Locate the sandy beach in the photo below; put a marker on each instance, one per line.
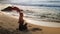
(9, 25)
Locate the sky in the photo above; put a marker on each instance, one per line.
(32, 0)
(24, 1)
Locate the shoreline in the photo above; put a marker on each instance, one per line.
(39, 23)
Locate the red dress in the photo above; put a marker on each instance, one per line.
(17, 9)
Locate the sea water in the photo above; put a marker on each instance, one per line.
(40, 10)
(44, 13)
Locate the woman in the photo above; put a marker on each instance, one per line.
(22, 26)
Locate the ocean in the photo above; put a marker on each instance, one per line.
(40, 10)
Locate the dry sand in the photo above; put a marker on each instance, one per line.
(9, 25)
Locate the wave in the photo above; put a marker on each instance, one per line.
(43, 5)
(49, 5)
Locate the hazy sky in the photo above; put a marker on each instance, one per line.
(23, 1)
(31, 0)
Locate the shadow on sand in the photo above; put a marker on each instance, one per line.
(7, 31)
(36, 29)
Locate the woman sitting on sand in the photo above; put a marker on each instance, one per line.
(22, 26)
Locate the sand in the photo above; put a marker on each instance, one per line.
(9, 25)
